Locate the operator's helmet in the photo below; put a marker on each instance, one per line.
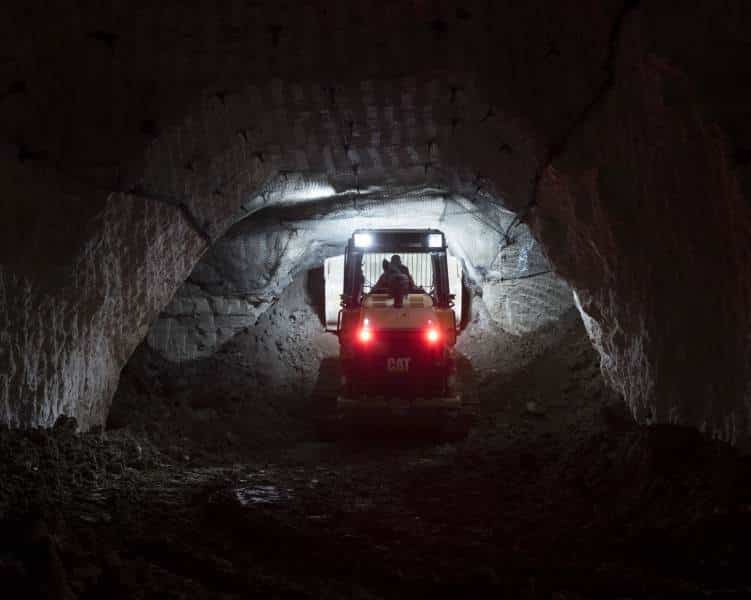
(396, 260)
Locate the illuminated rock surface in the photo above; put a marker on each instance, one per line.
(247, 270)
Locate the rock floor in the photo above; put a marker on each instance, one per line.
(211, 493)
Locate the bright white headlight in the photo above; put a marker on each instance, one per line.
(435, 240)
(363, 240)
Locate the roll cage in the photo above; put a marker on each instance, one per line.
(430, 242)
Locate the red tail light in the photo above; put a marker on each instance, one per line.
(432, 335)
(365, 335)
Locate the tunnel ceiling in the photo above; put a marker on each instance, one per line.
(133, 138)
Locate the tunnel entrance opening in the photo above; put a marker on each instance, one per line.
(234, 359)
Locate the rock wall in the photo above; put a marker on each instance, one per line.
(62, 346)
(645, 215)
(253, 391)
(519, 288)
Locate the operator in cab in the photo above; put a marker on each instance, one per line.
(395, 280)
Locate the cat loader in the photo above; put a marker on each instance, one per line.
(397, 320)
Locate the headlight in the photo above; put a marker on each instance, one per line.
(363, 240)
(435, 240)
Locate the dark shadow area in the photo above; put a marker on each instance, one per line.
(555, 493)
(315, 286)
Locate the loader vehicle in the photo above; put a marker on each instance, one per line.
(397, 361)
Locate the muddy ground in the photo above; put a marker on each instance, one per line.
(216, 491)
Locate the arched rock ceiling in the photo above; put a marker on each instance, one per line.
(166, 101)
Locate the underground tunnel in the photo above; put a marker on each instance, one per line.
(180, 198)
